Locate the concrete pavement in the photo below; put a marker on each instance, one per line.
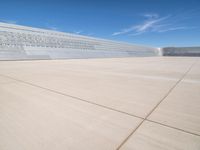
(115, 103)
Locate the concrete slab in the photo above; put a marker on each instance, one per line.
(32, 118)
(151, 136)
(131, 85)
(194, 75)
(37, 110)
(181, 109)
(4, 80)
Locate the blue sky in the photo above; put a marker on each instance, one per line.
(151, 22)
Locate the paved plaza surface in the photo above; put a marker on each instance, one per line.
(149, 103)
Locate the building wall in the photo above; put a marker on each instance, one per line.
(181, 51)
(20, 42)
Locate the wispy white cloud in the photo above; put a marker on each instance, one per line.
(175, 28)
(78, 32)
(53, 28)
(9, 21)
(81, 32)
(90, 34)
(124, 31)
(152, 23)
(150, 15)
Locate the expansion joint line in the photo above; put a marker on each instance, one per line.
(112, 109)
(74, 97)
(165, 96)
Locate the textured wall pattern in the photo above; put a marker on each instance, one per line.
(20, 42)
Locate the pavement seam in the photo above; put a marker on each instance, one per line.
(145, 119)
(156, 122)
(112, 109)
(30, 84)
(74, 97)
(109, 108)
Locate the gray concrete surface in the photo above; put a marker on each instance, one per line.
(119, 103)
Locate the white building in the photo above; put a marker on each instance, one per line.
(21, 42)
